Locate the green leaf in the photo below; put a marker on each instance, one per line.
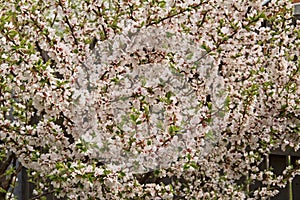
(2, 190)
(210, 135)
(194, 165)
(186, 166)
(10, 171)
(169, 34)
(134, 117)
(121, 174)
(189, 156)
(173, 130)
(168, 95)
(162, 4)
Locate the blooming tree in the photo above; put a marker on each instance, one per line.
(143, 99)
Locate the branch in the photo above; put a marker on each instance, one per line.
(6, 163)
(174, 14)
(43, 53)
(15, 180)
(71, 29)
(43, 194)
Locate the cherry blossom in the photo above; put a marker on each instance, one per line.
(148, 99)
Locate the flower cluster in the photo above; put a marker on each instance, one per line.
(138, 99)
(144, 100)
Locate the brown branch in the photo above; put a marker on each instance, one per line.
(71, 29)
(7, 179)
(182, 11)
(15, 180)
(43, 194)
(43, 53)
(6, 163)
(68, 23)
(52, 24)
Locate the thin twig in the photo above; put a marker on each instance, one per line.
(43, 194)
